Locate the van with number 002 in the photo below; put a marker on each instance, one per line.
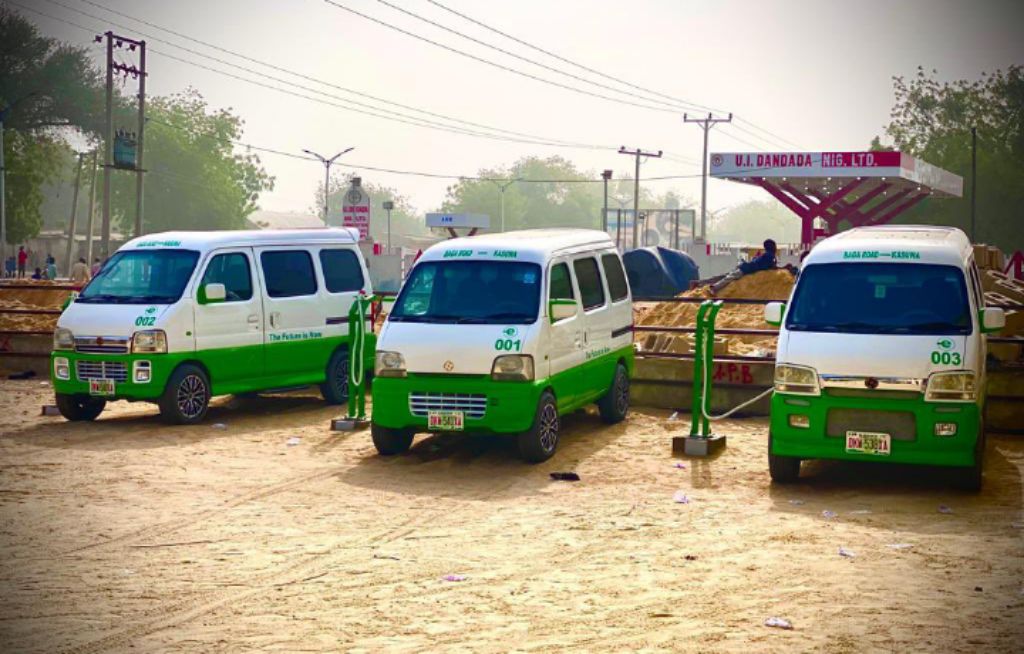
(881, 354)
(179, 317)
(505, 334)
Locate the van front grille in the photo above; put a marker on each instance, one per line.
(901, 425)
(116, 370)
(101, 344)
(473, 404)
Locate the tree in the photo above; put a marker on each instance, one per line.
(31, 162)
(933, 121)
(195, 179)
(754, 221)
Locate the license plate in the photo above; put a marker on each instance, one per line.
(445, 420)
(866, 442)
(101, 387)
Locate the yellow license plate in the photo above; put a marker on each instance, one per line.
(101, 387)
(866, 442)
(445, 420)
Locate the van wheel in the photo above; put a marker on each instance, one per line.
(80, 407)
(783, 469)
(391, 441)
(615, 404)
(335, 388)
(970, 479)
(539, 443)
(186, 398)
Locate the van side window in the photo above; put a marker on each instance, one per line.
(342, 273)
(561, 284)
(588, 276)
(232, 270)
(288, 273)
(976, 288)
(617, 286)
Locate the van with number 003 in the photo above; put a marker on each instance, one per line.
(881, 354)
(505, 334)
(179, 317)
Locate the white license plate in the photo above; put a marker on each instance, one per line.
(445, 420)
(101, 387)
(867, 442)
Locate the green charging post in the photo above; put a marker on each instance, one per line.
(355, 415)
(702, 441)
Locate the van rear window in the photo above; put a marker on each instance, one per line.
(588, 276)
(617, 286)
(288, 273)
(880, 298)
(342, 273)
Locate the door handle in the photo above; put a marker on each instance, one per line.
(254, 321)
(273, 319)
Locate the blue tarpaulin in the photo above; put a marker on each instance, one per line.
(657, 272)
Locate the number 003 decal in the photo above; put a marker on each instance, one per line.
(508, 345)
(946, 358)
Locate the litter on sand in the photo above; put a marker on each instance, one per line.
(455, 577)
(944, 509)
(860, 512)
(219, 425)
(1017, 525)
(674, 416)
(293, 441)
(899, 546)
(565, 476)
(847, 553)
(681, 498)
(828, 515)
(796, 502)
(680, 465)
(778, 623)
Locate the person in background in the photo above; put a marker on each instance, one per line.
(51, 267)
(80, 272)
(22, 260)
(38, 274)
(764, 261)
(96, 265)
(10, 266)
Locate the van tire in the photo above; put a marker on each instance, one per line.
(540, 441)
(390, 441)
(614, 406)
(970, 479)
(77, 408)
(335, 387)
(186, 397)
(783, 469)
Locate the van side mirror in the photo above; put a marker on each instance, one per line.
(562, 309)
(992, 319)
(212, 293)
(773, 312)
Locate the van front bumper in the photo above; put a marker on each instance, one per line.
(510, 406)
(122, 368)
(916, 443)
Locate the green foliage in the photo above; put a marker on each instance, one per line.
(754, 221)
(933, 121)
(196, 181)
(31, 161)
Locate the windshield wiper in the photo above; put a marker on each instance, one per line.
(509, 315)
(101, 297)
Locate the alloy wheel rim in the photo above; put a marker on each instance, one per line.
(191, 396)
(341, 377)
(548, 427)
(622, 393)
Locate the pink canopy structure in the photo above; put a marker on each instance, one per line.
(863, 188)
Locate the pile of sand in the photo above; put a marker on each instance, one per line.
(764, 285)
(40, 296)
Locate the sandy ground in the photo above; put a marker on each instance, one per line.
(128, 535)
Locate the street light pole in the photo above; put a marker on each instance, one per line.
(388, 206)
(605, 175)
(327, 173)
(501, 224)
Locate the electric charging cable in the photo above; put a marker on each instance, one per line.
(705, 374)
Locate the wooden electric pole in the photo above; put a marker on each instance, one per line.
(706, 124)
(69, 256)
(636, 188)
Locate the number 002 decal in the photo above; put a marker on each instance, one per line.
(946, 358)
(508, 345)
(145, 321)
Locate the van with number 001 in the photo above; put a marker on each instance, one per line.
(881, 354)
(505, 334)
(179, 317)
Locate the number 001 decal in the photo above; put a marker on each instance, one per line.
(946, 358)
(508, 345)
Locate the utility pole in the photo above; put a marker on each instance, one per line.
(140, 142)
(388, 206)
(605, 175)
(3, 191)
(327, 173)
(501, 224)
(74, 216)
(706, 124)
(92, 208)
(974, 181)
(109, 156)
(636, 188)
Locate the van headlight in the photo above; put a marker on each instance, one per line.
(951, 387)
(150, 341)
(61, 368)
(63, 339)
(798, 380)
(513, 367)
(389, 364)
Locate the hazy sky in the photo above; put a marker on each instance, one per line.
(817, 73)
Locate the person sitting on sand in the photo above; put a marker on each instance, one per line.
(764, 261)
(38, 274)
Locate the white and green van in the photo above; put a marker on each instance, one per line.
(881, 354)
(503, 334)
(178, 317)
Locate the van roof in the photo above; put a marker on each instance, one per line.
(205, 241)
(536, 245)
(896, 244)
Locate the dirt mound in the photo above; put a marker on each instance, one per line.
(40, 296)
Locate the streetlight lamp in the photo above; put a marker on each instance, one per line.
(501, 224)
(388, 206)
(327, 173)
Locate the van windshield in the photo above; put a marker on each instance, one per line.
(880, 298)
(141, 277)
(470, 292)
